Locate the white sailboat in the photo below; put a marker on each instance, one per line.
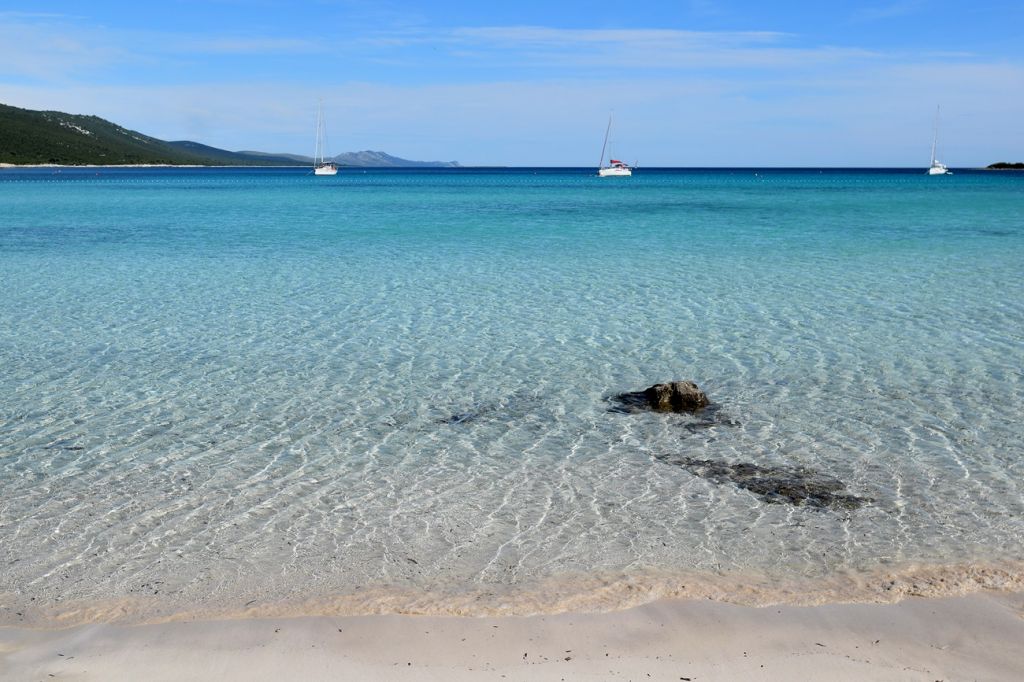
(321, 166)
(937, 167)
(615, 168)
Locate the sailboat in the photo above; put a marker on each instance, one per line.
(937, 167)
(322, 166)
(615, 168)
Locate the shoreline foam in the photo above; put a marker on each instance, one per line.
(565, 594)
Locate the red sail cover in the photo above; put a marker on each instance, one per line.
(617, 161)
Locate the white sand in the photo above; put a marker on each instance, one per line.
(980, 637)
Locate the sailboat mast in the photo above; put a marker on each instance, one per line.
(607, 130)
(319, 125)
(935, 135)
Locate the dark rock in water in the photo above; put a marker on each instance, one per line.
(777, 485)
(460, 418)
(677, 396)
(510, 407)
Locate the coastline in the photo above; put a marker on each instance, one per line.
(595, 593)
(13, 166)
(973, 637)
(131, 165)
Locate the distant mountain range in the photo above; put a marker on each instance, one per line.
(54, 137)
(365, 159)
(382, 160)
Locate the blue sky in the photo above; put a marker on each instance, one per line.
(691, 83)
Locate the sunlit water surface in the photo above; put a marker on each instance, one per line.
(228, 390)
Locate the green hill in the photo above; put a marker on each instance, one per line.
(239, 158)
(30, 137)
(37, 137)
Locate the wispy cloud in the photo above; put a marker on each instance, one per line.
(16, 16)
(895, 9)
(65, 48)
(685, 97)
(244, 45)
(705, 7)
(646, 49)
(60, 47)
(52, 48)
(536, 36)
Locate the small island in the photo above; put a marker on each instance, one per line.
(1002, 165)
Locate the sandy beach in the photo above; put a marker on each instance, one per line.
(976, 637)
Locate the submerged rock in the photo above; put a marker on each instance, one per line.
(510, 407)
(712, 415)
(777, 485)
(460, 418)
(676, 396)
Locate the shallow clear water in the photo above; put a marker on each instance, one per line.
(222, 387)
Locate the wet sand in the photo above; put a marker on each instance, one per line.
(973, 637)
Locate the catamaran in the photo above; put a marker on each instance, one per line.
(937, 167)
(615, 168)
(321, 166)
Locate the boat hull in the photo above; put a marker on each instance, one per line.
(325, 170)
(615, 172)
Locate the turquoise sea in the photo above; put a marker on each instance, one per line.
(254, 391)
